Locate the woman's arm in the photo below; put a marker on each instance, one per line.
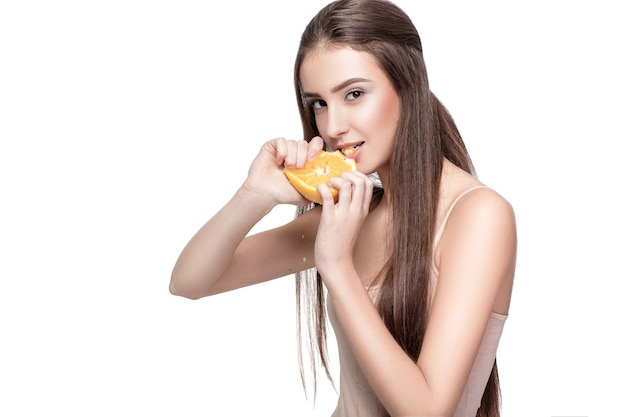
(477, 262)
(220, 257)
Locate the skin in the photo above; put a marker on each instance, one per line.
(354, 101)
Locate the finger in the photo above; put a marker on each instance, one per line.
(345, 189)
(369, 192)
(357, 187)
(362, 189)
(327, 196)
(315, 146)
(292, 153)
(280, 148)
(301, 156)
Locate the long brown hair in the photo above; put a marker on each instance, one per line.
(426, 134)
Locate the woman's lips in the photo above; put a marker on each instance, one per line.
(349, 151)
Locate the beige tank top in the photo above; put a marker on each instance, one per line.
(356, 397)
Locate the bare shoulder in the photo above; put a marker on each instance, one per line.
(484, 202)
(463, 198)
(479, 212)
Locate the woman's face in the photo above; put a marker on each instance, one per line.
(355, 105)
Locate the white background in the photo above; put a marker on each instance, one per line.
(125, 125)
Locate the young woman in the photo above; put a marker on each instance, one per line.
(416, 272)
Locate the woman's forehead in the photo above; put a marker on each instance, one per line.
(326, 66)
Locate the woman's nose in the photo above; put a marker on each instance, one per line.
(336, 122)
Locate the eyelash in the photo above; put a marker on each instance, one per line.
(358, 93)
(315, 103)
(320, 103)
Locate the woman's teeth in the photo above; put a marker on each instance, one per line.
(351, 149)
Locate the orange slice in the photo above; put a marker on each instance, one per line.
(319, 171)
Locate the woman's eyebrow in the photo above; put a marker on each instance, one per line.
(338, 87)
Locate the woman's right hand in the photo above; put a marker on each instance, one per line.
(266, 177)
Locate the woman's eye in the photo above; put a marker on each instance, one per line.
(354, 95)
(317, 104)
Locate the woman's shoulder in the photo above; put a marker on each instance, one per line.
(482, 203)
(467, 205)
(478, 203)
(460, 188)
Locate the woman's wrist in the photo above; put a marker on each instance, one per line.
(254, 200)
(339, 275)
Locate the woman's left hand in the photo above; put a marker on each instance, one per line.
(341, 222)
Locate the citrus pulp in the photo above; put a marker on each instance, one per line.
(319, 170)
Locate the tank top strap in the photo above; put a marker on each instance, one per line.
(444, 221)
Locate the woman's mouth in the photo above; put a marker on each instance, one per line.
(349, 150)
